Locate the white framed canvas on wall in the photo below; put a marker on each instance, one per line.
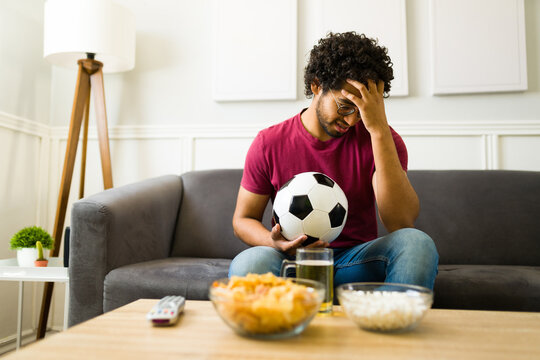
(477, 46)
(255, 45)
(382, 20)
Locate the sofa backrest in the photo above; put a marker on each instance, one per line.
(204, 227)
(474, 216)
(489, 217)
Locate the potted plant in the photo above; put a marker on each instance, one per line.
(25, 243)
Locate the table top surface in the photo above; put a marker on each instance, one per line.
(55, 271)
(200, 334)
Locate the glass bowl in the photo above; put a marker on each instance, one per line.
(385, 307)
(266, 306)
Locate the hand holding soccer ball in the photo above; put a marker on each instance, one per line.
(312, 204)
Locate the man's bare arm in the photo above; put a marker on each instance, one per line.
(248, 227)
(248, 216)
(396, 199)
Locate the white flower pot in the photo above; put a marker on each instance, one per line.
(26, 256)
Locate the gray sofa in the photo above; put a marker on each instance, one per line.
(173, 235)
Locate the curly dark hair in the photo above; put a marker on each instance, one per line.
(342, 56)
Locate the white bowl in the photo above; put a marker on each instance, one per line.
(385, 307)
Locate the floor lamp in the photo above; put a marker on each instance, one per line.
(94, 36)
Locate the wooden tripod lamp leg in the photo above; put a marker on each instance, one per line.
(96, 80)
(82, 91)
(84, 146)
(90, 76)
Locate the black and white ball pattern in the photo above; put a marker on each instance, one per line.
(313, 204)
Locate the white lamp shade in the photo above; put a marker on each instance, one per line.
(73, 28)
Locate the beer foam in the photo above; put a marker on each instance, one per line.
(315, 262)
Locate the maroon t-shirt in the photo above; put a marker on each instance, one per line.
(286, 149)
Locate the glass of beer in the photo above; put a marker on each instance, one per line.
(315, 264)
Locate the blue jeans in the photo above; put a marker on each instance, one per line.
(406, 256)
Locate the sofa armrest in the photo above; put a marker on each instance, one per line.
(117, 227)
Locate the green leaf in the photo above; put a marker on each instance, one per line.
(27, 237)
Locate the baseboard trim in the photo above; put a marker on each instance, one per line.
(9, 343)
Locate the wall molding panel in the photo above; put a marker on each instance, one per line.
(485, 53)
(193, 140)
(22, 125)
(250, 35)
(385, 21)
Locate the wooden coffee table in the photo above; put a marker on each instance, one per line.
(200, 334)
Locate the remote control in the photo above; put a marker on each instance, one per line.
(166, 311)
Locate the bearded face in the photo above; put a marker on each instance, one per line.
(333, 124)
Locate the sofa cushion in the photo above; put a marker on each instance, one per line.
(189, 277)
(488, 287)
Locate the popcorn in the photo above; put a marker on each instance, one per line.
(385, 310)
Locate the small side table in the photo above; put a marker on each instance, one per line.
(54, 272)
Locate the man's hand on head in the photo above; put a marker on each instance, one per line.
(370, 103)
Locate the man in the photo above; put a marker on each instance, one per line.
(344, 134)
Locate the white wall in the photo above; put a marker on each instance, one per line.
(171, 83)
(170, 90)
(25, 85)
(25, 76)
(162, 117)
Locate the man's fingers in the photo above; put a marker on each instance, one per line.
(286, 245)
(349, 95)
(355, 99)
(380, 87)
(371, 88)
(364, 91)
(275, 233)
(372, 85)
(294, 243)
(299, 240)
(282, 243)
(355, 83)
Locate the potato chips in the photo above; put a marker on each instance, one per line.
(264, 304)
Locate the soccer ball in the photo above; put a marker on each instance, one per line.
(312, 204)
